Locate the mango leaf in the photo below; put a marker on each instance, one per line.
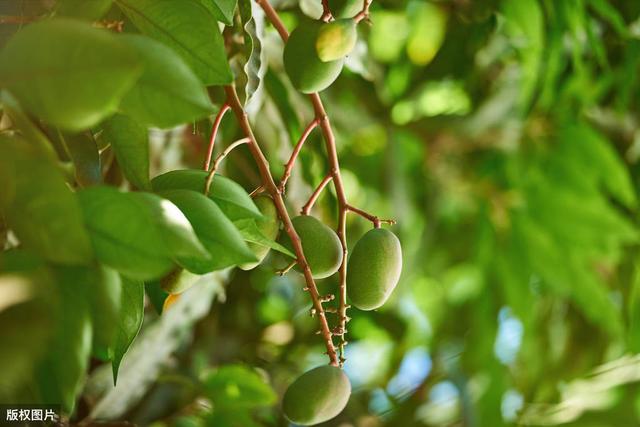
(188, 28)
(236, 386)
(62, 372)
(168, 93)
(138, 234)
(67, 72)
(38, 206)
(251, 233)
(84, 9)
(222, 10)
(255, 64)
(228, 195)
(83, 151)
(216, 232)
(156, 294)
(129, 321)
(130, 143)
(104, 291)
(280, 97)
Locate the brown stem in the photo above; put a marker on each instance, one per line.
(364, 13)
(216, 162)
(214, 132)
(312, 200)
(288, 167)
(326, 11)
(374, 219)
(270, 186)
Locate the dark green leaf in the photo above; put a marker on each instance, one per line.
(216, 232)
(104, 290)
(83, 151)
(156, 294)
(38, 205)
(228, 195)
(67, 72)
(138, 234)
(130, 143)
(222, 10)
(86, 9)
(251, 233)
(129, 321)
(168, 93)
(189, 29)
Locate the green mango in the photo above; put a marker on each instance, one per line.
(305, 69)
(345, 8)
(320, 244)
(336, 39)
(374, 269)
(228, 194)
(178, 281)
(269, 227)
(316, 396)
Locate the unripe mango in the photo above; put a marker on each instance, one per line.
(306, 71)
(320, 244)
(374, 269)
(269, 227)
(345, 8)
(336, 39)
(316, 396)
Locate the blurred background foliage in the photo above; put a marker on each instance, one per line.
(503, 137)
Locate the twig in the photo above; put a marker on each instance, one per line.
(288, 167)
(285, 270)
(364, 13)
(314, 196)
(214, 132)
(216, 162)
(326, 11)
(374, 219)
(270, 186)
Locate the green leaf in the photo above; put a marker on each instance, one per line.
(251, 233)
(168, 93)
(255, 66)
(67, 72)
(236, 386)
(188, 28)
(62, 373)
(130, 143)
(156, 294)
(216, 232)
(38, 206)
(129, 321)
(84, 9)
(104, 289)
(222, 10)
(228, 195)
(83, 151)
(138, 234)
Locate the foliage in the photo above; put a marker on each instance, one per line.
(502, 136)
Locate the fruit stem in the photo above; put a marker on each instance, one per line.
(216, 162)
(214, 132)
(364, 13)
(326, 11)
(314, 196)
(288, 167)
(270, 186)
(374, 219)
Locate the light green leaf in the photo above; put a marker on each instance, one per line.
(104, 291)
(168, 93)
(216, 232)
(38, 206)
(222, 10)
(129, 321)
(236, 386)
(228, 195)
(67, 72)
(189, 29)
(138, 234)
(130, 143)
(251, 233)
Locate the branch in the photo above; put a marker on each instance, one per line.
(216, 163)
(307, 207)
(326, 11)
(270, 186)
(288, 167)
(214, 132)
(364, 13)
(374, 219)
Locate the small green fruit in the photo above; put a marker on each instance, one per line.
(269, 227)
(345, 8)
(320, 244)
(178, 281)
(374, 269)
(336, 39)
(316, 396)
(306, 71)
